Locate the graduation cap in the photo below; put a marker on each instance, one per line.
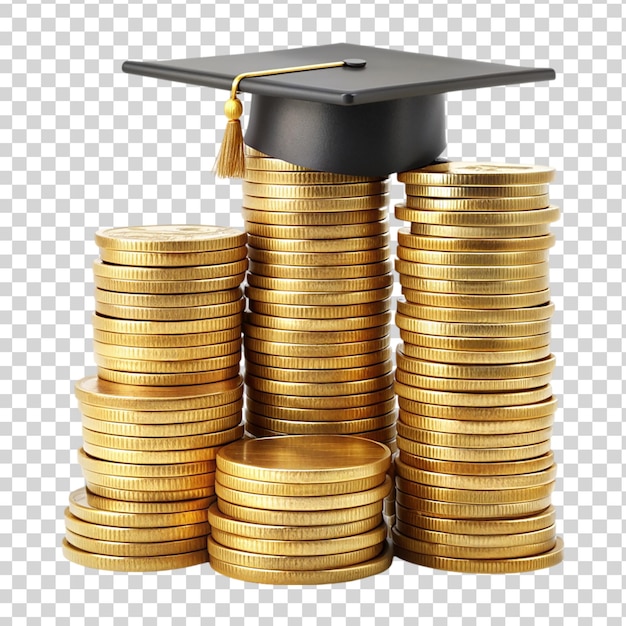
(339, 108)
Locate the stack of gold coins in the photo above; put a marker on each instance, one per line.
(475, 471)
(164, 400)
(317, 345)
(300, 510)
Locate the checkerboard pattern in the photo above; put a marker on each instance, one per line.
(83, 146)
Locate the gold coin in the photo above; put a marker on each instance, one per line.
(466, 552)
(329, 285)
(150, 457)
(346, 190)
(288, 414)
(473, 455)
(170, 238)
(472, 385)
(371, 567)
(83, 510)
(477, 344)
(475, 287)
(172, 341)
(321, 402)
(478, 483)
(467, 356)
(160, 417)
(170, 313)
(344, 231)
(294, 563)
(314, 337)
(383, 435)
(303, 245)
(468, 272)
(154, 444)
(466, 427)
(512, 329)
(482, 528)
(320, 376)
(167, 355)
(345, 427)
(321, 299)
(314, 272)
(482, 191)
(316, 350)
(174, 287)
(299, 518)
(162, 430)
(319, 259)
(313, 459)
(474, 496)
(462, 440)
(406, 239)
(97, 392)
(445, 370)
(483, 302)
(269, 164)
(209, 298)
(316, 205)
(469, 174)
(165, 380)
(300, 363)
(143, 471)
(126, 549)
(133, 563)
(478, 218)
(539, 408)
(518, 203)
(162, 367)
(129, 495)
(472, 259)
(172, 259)
(471, 511)
(304, 178)
(476, 541)
(320, 312)
(319, 389)
(485, 566)
(134, 535)
(147, 508)
(136, 483)
(226, 524)
(135, 327)
(480, 232)
(296, 548)
(481, 467)
(473, 399)
(323, 325)
(476, 316)
(199, 272)
(313, 219)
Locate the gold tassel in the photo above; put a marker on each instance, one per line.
(231, 161)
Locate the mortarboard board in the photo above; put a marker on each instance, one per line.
(381, 111)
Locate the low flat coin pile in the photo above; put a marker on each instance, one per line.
(300, 510)
(167, 396)
(317, 347)
(475, 471)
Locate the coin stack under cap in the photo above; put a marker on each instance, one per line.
(475, 471)
(317, 345)
(300, 510)
(165, 400)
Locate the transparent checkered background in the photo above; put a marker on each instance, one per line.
(83, 145)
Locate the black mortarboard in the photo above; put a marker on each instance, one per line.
(373, 118)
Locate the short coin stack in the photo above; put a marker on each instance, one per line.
(149, 447)
(475, 471)
(300, 510)
(317, 345)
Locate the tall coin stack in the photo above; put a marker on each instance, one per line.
(317, 345)
(475, 471)
(300, 510)
(168, 395)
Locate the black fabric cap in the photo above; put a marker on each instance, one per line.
(387, 116)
